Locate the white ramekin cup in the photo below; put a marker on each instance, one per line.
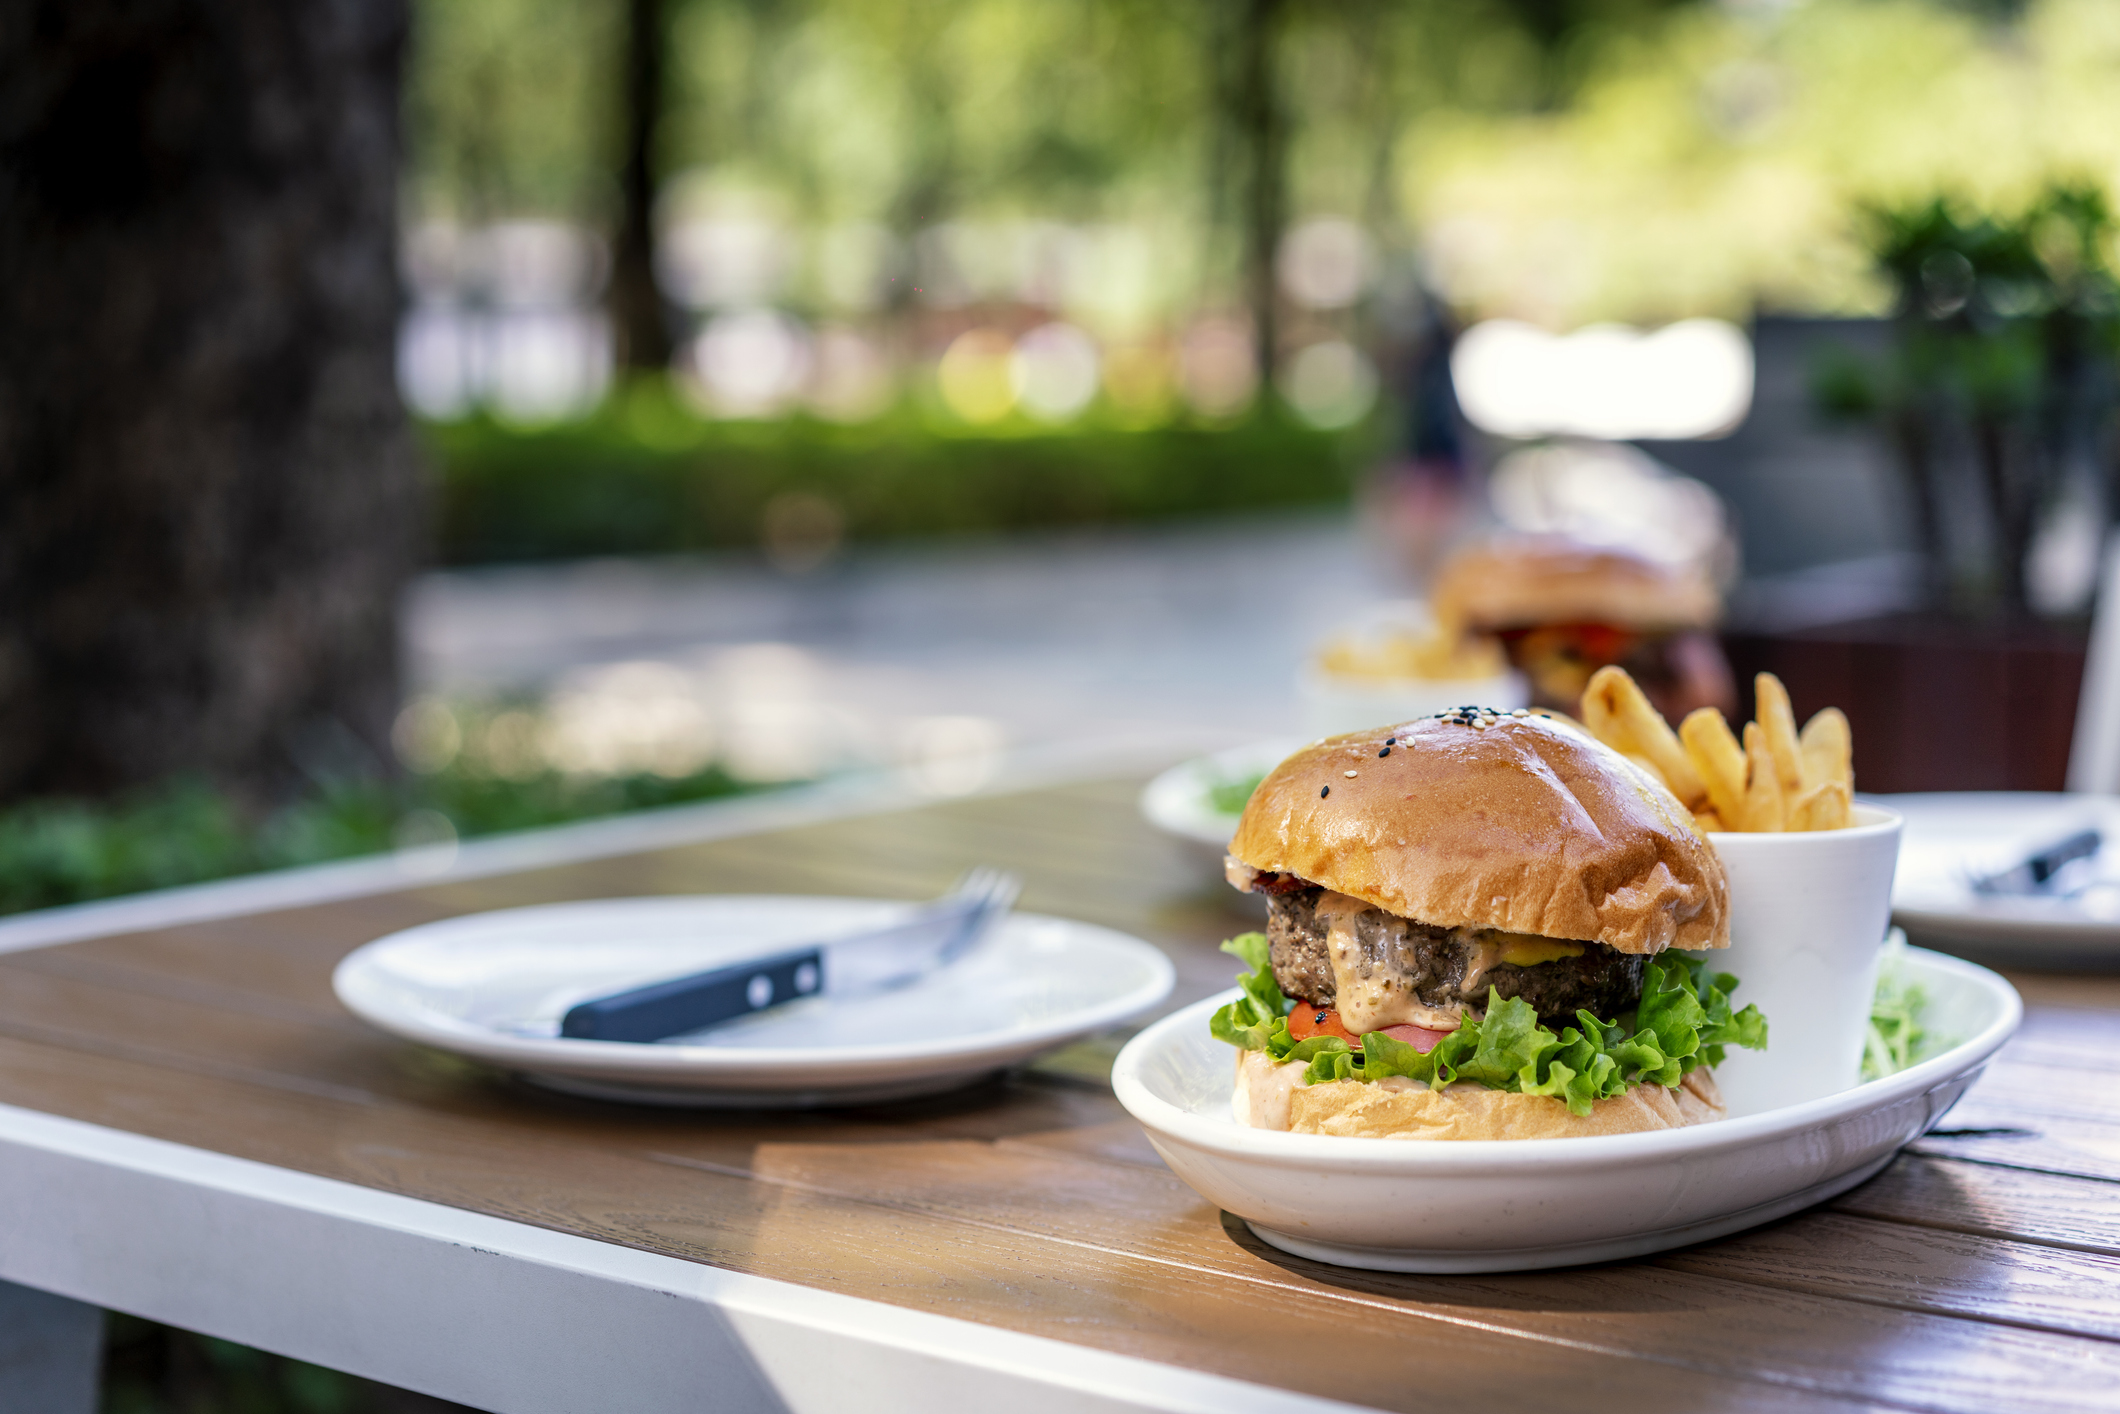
(1808, 916)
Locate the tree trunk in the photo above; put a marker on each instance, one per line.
(636, 303)
(1261, 126)
(1911, 432)
(211, 495)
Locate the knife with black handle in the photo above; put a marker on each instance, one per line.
(2035, 874)
(873, 961)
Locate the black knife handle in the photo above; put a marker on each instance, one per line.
(687, 1003)
(2047, 862)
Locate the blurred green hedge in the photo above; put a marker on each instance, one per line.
(56, 852)
(646, 475)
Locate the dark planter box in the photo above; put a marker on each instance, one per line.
(1934, 704)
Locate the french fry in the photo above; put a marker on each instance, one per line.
(1778, 721)
(1843, 814)
(1776, 780)
(1764, 808)
(1618, 714)
(1599, 718)
(1825, 744)
(1820, 807)
(1718, 760)
(1826, 762)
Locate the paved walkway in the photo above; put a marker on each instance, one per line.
(1137, 641)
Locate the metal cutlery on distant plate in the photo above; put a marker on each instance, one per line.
(2046, 871)
(877, 960)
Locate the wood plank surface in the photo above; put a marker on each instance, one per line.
(1978, 1273)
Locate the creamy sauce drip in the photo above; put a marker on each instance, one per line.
(1372, 993)
(1263, 1090)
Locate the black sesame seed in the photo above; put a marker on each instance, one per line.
(1318, 1020)
(1324, 791)
(1385, 752)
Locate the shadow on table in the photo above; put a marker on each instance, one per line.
(1603, 1290)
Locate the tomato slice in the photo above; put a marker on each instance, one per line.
(1421, 1038)
(1307, 1021)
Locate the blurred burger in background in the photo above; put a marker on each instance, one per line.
(1560, 610)
(1400, 662)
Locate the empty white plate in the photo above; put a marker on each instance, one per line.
(493, 986)
(1954, 836)
(1497, 1206)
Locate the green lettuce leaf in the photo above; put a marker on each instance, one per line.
(1684, 1020)
(1384, 1055)
(1249, 1022)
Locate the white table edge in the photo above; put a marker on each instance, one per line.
(497, 1314)
(504, 1315)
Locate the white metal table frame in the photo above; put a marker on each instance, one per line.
(490, 1313)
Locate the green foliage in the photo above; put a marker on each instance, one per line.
(2006, 326)
(65, 851)
(510, 106)
(645, 475)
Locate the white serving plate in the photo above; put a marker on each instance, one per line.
(1494, 1206)
(1179, 802)
(493, 986)
(1953, 835)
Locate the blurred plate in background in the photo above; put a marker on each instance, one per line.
(1954, 837)
(1200, 800)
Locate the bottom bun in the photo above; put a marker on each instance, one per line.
(1269, 1097)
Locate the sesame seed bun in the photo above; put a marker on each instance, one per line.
(1524, 824)
(1524, 583)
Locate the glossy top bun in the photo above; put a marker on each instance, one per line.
(1523, 583)
(1525, 824)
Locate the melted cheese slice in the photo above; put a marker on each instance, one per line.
(1526, 950)
(1494, 948)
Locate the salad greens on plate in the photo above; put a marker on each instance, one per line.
(1229, 794)
(1898, 1035)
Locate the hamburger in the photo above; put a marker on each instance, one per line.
(1473, 932)
(1562, 610)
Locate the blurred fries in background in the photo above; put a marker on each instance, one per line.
(1772, 779)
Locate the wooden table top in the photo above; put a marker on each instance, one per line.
(1980, 1272)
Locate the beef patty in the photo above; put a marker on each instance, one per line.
(1433, 962)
